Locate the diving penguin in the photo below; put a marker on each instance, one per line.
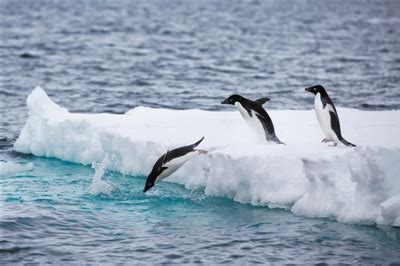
(169, 162)
(327, 116)
(255, 116)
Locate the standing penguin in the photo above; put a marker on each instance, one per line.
(255, 116)
(169, 162)
(327, 116)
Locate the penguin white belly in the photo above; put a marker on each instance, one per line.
(252, 121)
(324, 118)
(175, 164)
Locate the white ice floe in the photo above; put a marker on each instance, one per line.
(390, 211)
(11, 168)
(355, 185)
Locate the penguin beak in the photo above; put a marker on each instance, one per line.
(309, 89)
(147, 187)
(225, 101)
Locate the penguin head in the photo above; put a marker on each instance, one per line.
(315, 89)
(232, 99)
(149, 184)
(151, 179)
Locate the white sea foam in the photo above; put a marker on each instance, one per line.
(11, 168)
(355, 185)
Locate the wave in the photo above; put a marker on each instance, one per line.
(353, 185)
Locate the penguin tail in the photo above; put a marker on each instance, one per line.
(197, 143)
(278, 141)
(349, 144)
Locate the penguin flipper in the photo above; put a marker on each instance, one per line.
(164, 160)
(335, 125)
(261, 101)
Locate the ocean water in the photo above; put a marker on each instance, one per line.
(111, 56)
(50, 215)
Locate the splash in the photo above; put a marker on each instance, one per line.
(100, 186)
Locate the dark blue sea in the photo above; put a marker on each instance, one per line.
(110, 56)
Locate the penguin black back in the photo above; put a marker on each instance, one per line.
(178, 152)
(259, 112)
(328, 105)
(159, 167)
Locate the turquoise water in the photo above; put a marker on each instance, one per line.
(49, 215)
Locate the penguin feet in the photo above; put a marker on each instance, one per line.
(329, 140)
(202, 151)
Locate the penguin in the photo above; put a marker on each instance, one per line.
(327, 116)
(255, 116)
(170, 161)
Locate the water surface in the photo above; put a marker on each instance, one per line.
(49, 215)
